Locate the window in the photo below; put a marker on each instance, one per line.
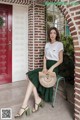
(54, 17)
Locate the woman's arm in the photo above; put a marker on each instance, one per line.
(44, 65)
(58, 62)
(44, 62)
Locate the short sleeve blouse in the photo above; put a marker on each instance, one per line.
(52, 50)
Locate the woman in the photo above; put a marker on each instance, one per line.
(53, 57)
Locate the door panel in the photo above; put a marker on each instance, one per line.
(5, 44)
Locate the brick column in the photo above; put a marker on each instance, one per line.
(36, 30)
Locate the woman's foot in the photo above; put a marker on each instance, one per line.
(22, 111)
(38, 104)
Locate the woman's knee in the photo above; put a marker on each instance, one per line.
(27, 78)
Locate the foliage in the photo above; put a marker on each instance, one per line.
(66, 69)
(1, 21)
(50, 18)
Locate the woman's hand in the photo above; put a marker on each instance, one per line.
(44, 70)
(50, 70)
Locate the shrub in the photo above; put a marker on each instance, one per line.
(66, 69)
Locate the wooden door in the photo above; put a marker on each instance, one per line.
(6, 44)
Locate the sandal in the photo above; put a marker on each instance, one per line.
(41, 104)
(25, 110)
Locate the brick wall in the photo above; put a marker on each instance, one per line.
(72, 14)
(36, 18)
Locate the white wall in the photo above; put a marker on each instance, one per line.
(19, 42)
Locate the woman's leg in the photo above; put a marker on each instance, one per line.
(27, 96)
(34, 90)
(37, 99)
(31, 88)
(28, 93)
(36, 96)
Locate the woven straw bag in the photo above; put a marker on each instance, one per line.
(47, 80)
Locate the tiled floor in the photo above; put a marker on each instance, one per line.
(12, 95)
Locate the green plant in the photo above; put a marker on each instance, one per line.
(50, 18)
(1, 21)
(66, 69)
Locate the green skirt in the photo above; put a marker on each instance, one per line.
(45, 93)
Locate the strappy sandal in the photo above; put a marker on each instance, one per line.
(25, 110)
(41, 104)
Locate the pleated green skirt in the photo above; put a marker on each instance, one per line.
(45, 93)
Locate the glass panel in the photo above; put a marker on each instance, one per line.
(54, 17)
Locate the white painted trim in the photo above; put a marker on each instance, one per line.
(19, 47)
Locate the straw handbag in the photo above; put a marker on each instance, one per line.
(47, 80)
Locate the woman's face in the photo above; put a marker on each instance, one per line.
(53, 35)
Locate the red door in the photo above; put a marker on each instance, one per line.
(5, 44)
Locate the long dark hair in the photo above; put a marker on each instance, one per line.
(57, 34)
